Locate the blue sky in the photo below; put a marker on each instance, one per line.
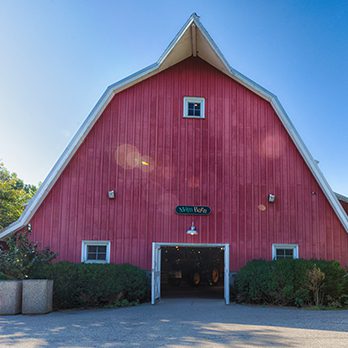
(57, 57)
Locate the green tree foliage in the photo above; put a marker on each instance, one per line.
(14, 195)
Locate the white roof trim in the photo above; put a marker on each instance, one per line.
(219, 61)
(341, 197)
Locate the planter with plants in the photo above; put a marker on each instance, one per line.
(17, 291)
(10, 295)
(37, 296)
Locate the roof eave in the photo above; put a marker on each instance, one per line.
(341, 197)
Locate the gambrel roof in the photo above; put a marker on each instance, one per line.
(191, 40)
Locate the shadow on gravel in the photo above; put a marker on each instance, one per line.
(171, 323)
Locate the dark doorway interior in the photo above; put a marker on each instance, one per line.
(192, 272)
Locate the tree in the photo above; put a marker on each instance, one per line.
(14, 195)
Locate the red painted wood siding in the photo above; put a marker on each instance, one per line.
(229, 161)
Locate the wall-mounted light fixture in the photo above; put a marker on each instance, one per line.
(111, 194)
(271, 198)
(192, 230)
(29, 227)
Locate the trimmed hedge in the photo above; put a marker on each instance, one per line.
(290, 283)
(93, 285)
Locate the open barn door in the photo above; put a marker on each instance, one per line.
(156, 273)
(182, 262)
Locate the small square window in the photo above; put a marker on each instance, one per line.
(284, 251)
(194, 107)
(95, 251)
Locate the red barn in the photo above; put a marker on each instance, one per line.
(187, 154)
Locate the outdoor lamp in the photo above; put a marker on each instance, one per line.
(111, 194)
(192, 230)
(271, 198)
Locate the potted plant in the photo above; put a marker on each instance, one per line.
(10, 295)
(18, 292)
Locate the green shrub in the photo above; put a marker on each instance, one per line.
(292, 283)
(316, 278)
(21, 256)
(4, 276)
(93, 285)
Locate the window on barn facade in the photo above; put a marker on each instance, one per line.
(284, 251)
(194, 107)
(94, 251)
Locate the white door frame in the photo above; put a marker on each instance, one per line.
(156, 266)
(156, 273)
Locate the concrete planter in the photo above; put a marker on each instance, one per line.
(37, 296)
(10, 296)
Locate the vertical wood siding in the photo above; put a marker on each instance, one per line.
(154, 159)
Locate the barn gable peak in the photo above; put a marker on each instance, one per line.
(193, 40)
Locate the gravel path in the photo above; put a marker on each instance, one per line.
(179, 323)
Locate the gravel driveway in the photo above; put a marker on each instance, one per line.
(179, 323)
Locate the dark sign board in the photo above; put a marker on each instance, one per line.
(192, 210)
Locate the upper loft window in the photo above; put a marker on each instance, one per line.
(94, 251)
(284, 251)
(194, 107)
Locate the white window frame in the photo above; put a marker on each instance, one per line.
(188, 100)
(86, 243)
(294, 247)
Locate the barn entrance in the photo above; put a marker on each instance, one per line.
(190, 270)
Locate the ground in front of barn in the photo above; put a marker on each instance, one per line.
(179, 323)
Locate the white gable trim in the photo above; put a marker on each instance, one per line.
(341, 197)
(152, 70)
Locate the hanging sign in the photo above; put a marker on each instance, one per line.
(192, 210)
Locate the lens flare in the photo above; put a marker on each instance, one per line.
(127, 156)
(261, 207)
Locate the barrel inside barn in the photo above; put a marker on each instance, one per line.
(188, 271)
